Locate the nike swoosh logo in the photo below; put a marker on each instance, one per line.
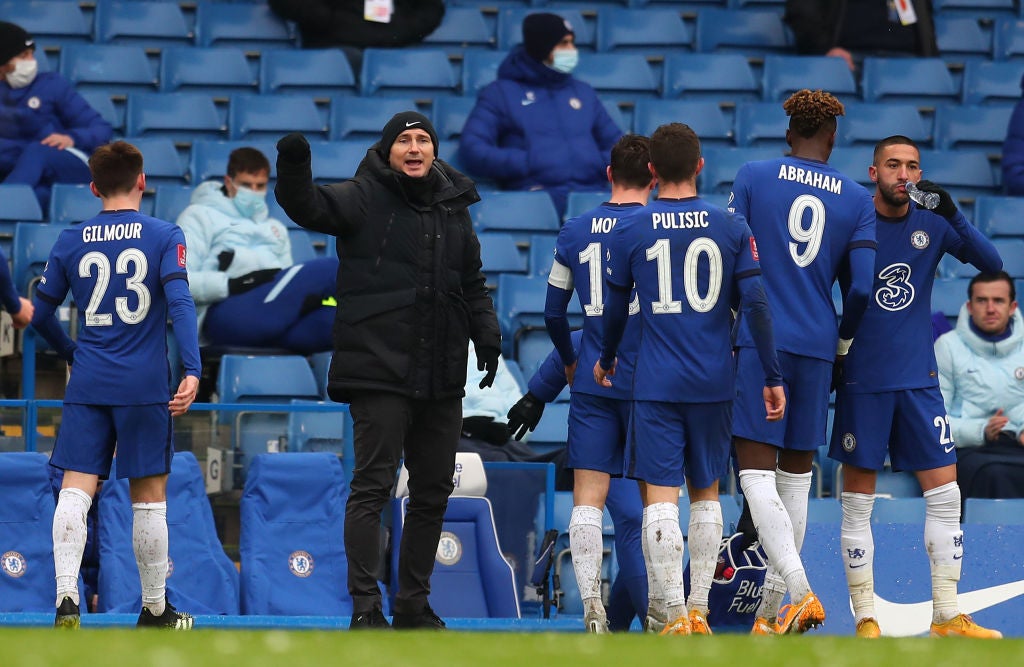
(908, 619)
(958, 557)
(527, 102)
(949, 449)
(854, 567)
(415, 122)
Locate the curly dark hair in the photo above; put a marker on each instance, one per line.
(810, 111)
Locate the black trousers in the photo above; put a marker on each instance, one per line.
(385, 425)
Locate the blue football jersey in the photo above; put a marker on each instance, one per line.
(685, 257)
(893, 348)
(805, 216)
(116, 265)
(579, 265)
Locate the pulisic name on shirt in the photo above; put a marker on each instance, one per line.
(815, 179)
(679, 219)
(116, 232)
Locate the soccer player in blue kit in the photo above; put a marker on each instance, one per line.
(129, 270)
(689, 261)
(598, 416)
(889, 402)
(807, 218)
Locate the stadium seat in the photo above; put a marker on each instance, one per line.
(961, 126)
(965, 173)
(725, 77)
(784, 75)
(301, 245)
(161, 163)
(479, 68)
(552, 430)
(418, 72)
(72, 203)
(515, 212)
(499, 254)
(578, 203)
(292, 540)
(987, 82)
(986, 8)
(853, 161)
(115, 69)
(962, 37)
(179, 116)
(721, 165)
(705, 117)
(273, 116)
(1008, 39)
(1000, 216)
(201, 579)
(171, 200)
(651, 31)
(49, 21)
(618, 76)
(824, 510)
(31, 249)
(100, 101)
(471, 577)
(26, 533)
(267, 379)
(898, 509)
(1012, 252)
(209, 159)
(20, 203)
(993, 511)
(335, 161)
(542, 249)
(243, 24)
(214, 71)
(148, 23)
(859, 126)
(762, 124)
(748, 31)
(912, 80)
(951, 267)
(354, 117)
(449, 114)
(460, 28)
(323, 432)
(510, 27)
(520, 307)
(948, 295)
(321, 72)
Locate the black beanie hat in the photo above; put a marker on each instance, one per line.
(400, 122)
(541, 32)
(13, 40)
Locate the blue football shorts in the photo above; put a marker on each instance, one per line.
(670, 442)
(909, 425)
(597, 433)
(142, 435)
(806, 382)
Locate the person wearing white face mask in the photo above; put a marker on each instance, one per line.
(247, 289)
(47, 130)
(538, 127)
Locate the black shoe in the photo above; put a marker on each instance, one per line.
(171, 619)
(68, 615)
(425, 619)
(369, 620)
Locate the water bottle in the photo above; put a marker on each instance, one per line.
(929, 200)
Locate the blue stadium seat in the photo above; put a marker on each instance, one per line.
(853, 161)
(898, 509)
(510, 26)
(520, 308)
(745, 31)
(273, 116)
(201, 579)
(965, 173)
(521, 213)
(499, 254)
(72, 203)
(553, 428)
(180, 116)
(115, 69)
(578, 203)
(171, 200)
(913, 80)
(542, 246)
(721, 165)
(991, 83)
(209, 159)
(479, 68)
(650, 30)
(319, 72)
(100, 101)
(353, 117)
(963, 126)
(449, 114)
(993, 511)
(618, 76)
(49, 21)
(301, 245)
(26, 533)
(420, 72)
(986, 8)
(323, 432)
(824, 510)
(784, 75)
(214, 71)
(1000, 216)
(951, 267)
(723, 77)
(242, 24)
(292, 546)
(860, 124)
(1012, 252)
(962, 37)
(268, 379)
(151, 24)
(1008, 39)
(335, 161)
(31, 249)
(705, 117)
(620, 109)
(948, 295)
(762, 124)
(161, 162)
(20, 203)
(462, 27)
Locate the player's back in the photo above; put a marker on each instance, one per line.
(685, 257)
(115, 265)
(805, 216)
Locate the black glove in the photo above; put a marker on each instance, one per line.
(838, 372)
(487, 359)
(224, 259)
(524, 415)
(946, 207)
(293, 147)
(243, 284)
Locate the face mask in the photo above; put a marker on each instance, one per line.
(24, 73)
(250, 203)
(565, 60)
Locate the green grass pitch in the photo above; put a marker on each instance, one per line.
(35, 647)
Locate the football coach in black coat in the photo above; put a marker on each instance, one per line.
(411, 296)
